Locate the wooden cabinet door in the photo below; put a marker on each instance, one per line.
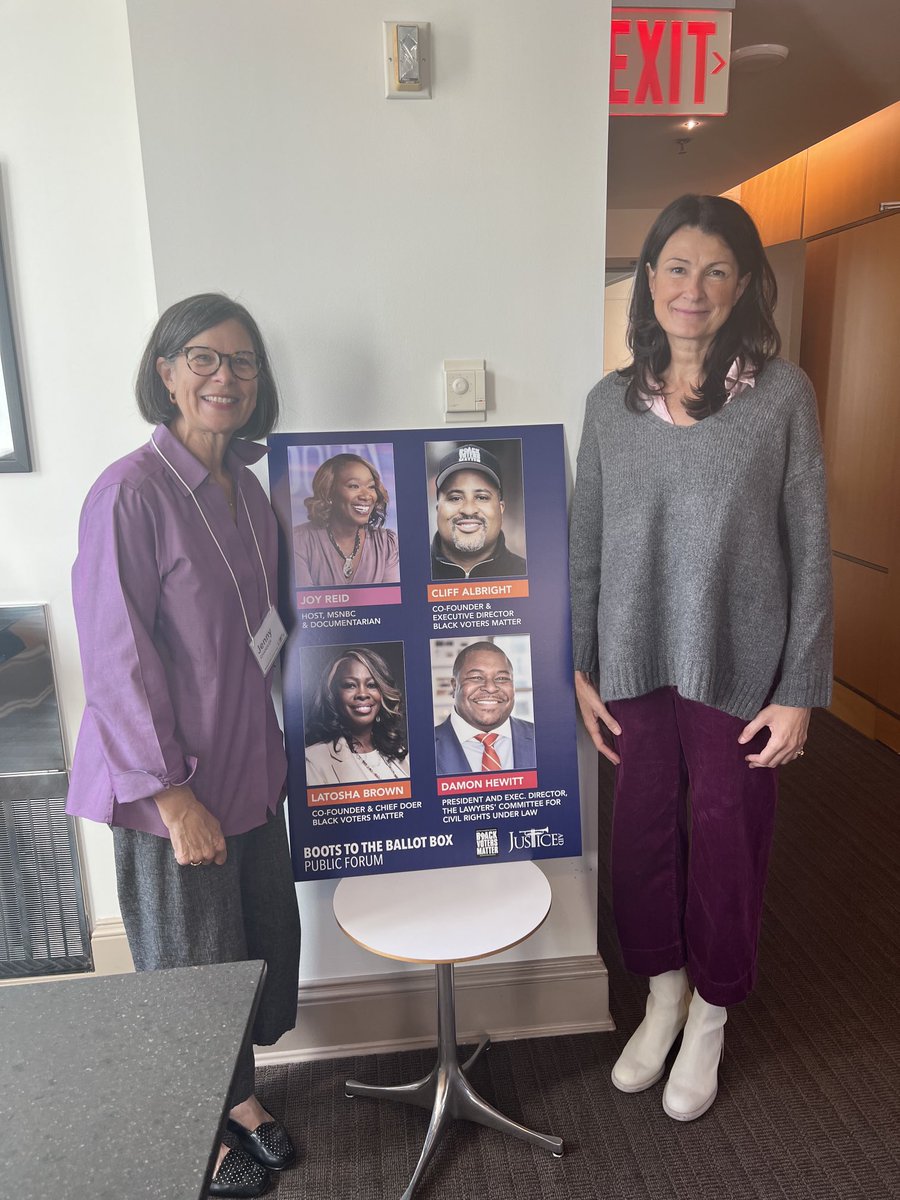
(774, 200)
(849, 174)
(851, 350)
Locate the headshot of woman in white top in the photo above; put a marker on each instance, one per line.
(356, 723)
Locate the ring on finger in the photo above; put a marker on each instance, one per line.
(199, 863)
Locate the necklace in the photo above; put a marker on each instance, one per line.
(348, 558)
(387, 762)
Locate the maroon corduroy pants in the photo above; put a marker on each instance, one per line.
(688, 874)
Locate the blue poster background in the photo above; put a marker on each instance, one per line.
(430, 820)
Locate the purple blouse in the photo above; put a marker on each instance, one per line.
(174, 694)
(317, 563)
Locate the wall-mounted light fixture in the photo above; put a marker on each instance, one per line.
(407, 60)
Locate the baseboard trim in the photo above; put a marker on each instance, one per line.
(873, 720)
(380, 1014)
(109, 947)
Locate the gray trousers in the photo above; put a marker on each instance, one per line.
(191, 916)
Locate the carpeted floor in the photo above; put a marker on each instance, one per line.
(809, 1099)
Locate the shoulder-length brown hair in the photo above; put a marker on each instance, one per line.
(326, 723)
(176, 327)
(749, 335)
(318, 505)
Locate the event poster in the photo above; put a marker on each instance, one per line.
(429, 709)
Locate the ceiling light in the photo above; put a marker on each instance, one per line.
(690, 124)
(759, 57)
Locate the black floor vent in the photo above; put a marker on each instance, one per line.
(42, 924)
(43, 930)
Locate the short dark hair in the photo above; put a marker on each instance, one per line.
(174, 329)
(470, 649)
(749, 335)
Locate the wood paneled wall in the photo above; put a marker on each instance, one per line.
(774, 200)
(850, 174)
(850, 351)
(829, 195)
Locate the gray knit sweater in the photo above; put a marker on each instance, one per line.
(700, 556)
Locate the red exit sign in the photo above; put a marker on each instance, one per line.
(669, 61)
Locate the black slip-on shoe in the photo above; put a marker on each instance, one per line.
(239, 1175)
(268, 1143)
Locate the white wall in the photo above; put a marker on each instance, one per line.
(372, 239)
(83, 292)
(615, 325)
(626, 229)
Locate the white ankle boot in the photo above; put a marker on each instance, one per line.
(694, 1078)
(641, 1063)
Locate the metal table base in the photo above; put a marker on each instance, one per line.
(447, 1091)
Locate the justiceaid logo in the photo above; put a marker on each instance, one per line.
(535, 839)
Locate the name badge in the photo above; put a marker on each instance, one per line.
(268, 640)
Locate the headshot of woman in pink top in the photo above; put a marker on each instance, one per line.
(344, 540)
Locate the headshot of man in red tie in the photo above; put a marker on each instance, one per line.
(481, 734)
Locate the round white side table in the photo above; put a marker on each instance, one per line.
(444, 917)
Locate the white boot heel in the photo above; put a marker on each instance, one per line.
(642, 1062)
(694, 1079)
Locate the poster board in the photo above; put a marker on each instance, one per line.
(424, 587)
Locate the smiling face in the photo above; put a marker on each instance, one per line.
(218, 404)
(357, 697)
(469, 517)
(694, 286)
(484, 691)
(353, 496)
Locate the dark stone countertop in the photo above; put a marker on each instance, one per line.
(113, 1088)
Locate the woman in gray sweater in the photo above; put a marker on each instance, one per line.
(701, 596)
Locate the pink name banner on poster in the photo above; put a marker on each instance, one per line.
(472, 785)
(348, 597)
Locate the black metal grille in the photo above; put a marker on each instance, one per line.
(42, 923)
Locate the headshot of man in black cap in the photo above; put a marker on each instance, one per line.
(469, 542)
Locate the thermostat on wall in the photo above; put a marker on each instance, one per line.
(464, 390)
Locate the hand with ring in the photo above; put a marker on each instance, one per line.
(195, 834)
(787, 727)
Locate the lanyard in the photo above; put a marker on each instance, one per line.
(216, 540)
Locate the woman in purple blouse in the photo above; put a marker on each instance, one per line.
(344, 541)
(179, 749)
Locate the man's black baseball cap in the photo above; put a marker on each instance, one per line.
(469, 457)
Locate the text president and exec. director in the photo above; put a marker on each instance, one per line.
(701, 611)
(469, 542)
(481, 734)
(179, 748)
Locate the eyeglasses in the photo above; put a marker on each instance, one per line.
(203, 360)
